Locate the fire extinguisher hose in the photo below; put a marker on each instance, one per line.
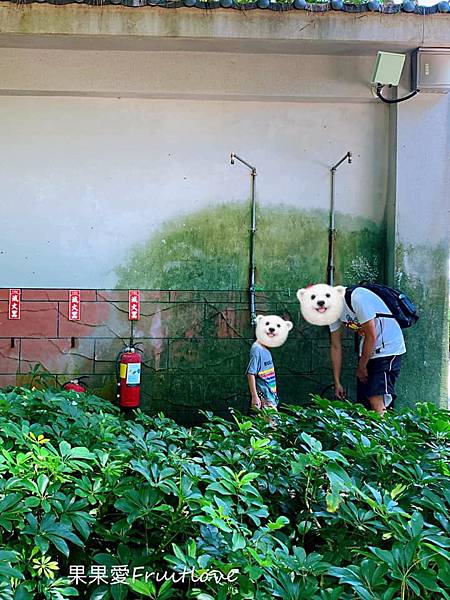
(117, 368)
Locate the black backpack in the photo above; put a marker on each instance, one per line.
(401, 307)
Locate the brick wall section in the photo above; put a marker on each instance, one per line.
(195, 343)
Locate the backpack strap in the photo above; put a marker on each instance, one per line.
(348, 300)
(348, 296)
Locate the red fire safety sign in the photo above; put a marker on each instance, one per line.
(74, 305)
(14, 304)
(134, 305)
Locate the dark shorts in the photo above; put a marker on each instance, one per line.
(382, 375)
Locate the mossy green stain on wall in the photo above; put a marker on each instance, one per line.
(210, 250)
(422, 272)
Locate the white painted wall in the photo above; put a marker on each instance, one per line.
(423, 169)
(84, 178)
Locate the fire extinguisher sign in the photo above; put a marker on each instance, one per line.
(74, 305)
(134, 305)
(14, 304)
(133, 374)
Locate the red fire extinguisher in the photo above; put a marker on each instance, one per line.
(128, 370)
(76, 385)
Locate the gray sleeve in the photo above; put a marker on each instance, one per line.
(335, 326)
(254, 365)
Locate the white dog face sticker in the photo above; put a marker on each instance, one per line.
(272, 331)
(321, 304)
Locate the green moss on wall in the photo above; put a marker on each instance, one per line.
(209, 250)
(422, 272)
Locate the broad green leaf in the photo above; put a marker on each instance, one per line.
(337, 456)
(349, 575)
(338, 477)
(249, 477)
(165, 592)
(416, 524)
(100, 593)
(144, 588)
(444, 575)
(178, 553)
(8, 556)
(9, 501)
(333, 500)
(426, 579)
(59, 544)
(107, 560)
(81, 452)
(238, 541)
(119, 591)
(278, 524)
(7, 571)
(314, 444)
(22, 593)
(31, 502)
(64, 448)
(413, 585)
(385, 555)
(42, 483)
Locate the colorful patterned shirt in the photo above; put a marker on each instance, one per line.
(261, 366)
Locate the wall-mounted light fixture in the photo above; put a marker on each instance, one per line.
(388, 71)
(388, 68)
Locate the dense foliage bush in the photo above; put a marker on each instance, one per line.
(333, 503)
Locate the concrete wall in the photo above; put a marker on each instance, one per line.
(196, 347)
(419, 220)
(116, 174)
(155, 27)
(96, 176)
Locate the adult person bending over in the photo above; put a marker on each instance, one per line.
(380, 349)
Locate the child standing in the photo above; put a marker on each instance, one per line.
(271, 332)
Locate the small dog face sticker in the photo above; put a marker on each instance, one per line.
(321, 304)
(272, 331)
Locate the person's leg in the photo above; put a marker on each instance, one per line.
(265, 403)
(391, 377)
(377, 404)
(383, 373)
(361, 394)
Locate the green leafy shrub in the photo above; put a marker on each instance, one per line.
(332, 504)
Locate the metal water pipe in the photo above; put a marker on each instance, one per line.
(252, 262)
(332, 228)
